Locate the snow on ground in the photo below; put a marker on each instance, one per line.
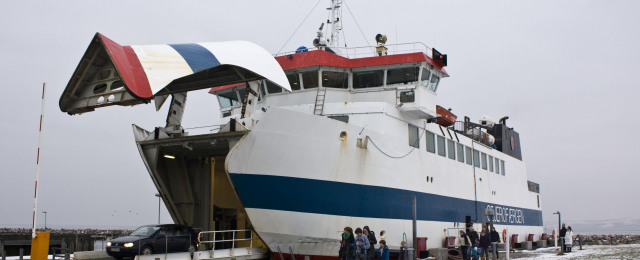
(631, 251)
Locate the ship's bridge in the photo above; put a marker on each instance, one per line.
(406, 76)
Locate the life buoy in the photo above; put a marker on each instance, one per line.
(504, 236)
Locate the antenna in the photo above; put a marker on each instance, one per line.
(335, 22)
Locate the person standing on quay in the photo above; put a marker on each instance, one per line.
(347, 250)
(371, 253)
(495, 239)
(563, 232)
(362, 244)
(568, 239)
(485, 242)
(383, 251)
(463, 243)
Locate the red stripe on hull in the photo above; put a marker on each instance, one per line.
(129, 68)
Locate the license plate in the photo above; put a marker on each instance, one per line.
(115, 249)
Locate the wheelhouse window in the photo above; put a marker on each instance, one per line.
(402, 76)
(433, 84)
(441, 146)
(310, 79)
(272, 88)
(460, 152)
(452, 149)
(467, 150)
(431, 142)
(332, 79)
(424, 79)
(414, 137)
(294, 81)
(368, 79)
(228, 99)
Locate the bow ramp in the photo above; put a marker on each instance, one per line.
(188, 171)
(112, 74)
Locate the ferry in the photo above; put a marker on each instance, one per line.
(314, 140)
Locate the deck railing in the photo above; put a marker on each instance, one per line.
(233, 239)
(370, 51)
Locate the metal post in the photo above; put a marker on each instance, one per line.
(21, 253)
(45, 219)
(414, 224)
(4, 255)
(35, 196)
(508, 244)
(559, 227)
(158, 195)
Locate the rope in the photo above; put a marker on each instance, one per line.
(354, 18)
(294, 32)
(396, 157)
(454, 254)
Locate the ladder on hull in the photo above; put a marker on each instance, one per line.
(319, 105)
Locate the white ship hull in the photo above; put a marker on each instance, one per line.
(301, 184)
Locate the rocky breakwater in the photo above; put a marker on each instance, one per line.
(607, 239)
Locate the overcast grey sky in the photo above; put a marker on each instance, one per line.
(564, 71)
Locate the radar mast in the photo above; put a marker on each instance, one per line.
(336, 22)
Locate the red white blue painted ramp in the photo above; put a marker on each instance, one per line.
(111, 74)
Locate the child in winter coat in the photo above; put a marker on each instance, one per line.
(383, 251)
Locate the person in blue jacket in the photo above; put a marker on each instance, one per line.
(383, 251)
(362, 245)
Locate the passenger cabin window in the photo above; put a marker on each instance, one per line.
(431, 142)
(452, 149)
(368, 79)
(228, 99)
(331, 79)
(433, 85)
(294, 81)
(414, 137)
(502, 166)
(476, 158)
(272, 88)
(460, 152)
(310, 79)
(497, 166)
(402, 76)
(484, 161)
(468, 154)
(441, 146)
(490, 163)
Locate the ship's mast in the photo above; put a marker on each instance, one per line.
(335, 22)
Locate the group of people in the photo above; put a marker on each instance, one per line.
(474, 246)
(566, 235)
(360, 245)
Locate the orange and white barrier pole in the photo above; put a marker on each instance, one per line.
(35, 195)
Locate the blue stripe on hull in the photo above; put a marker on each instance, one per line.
(198, 57)
(347, 199)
